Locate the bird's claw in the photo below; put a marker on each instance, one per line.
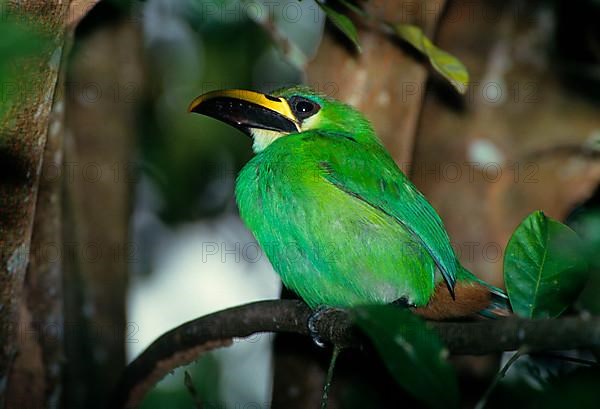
(402, 303)
(313, 320)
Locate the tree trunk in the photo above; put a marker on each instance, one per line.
(24, 378)
(103, 89)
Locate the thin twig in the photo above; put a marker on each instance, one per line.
(501, 374)
(191, 388)
(324, 399)
(566, 358)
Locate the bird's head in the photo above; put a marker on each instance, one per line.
(268, 117)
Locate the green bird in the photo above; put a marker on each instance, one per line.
(339, 221)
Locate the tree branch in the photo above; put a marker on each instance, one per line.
(185, 343)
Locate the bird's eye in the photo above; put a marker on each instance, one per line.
(303, 108)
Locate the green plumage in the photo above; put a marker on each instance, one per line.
(339, 221)
(341, 224)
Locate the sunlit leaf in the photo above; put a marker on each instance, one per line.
(342, 23)
(446, 64)
(545, 267)
(412, 352)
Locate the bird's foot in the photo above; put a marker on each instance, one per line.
(313, 321)
(402, 303)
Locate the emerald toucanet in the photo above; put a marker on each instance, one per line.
(339, 221)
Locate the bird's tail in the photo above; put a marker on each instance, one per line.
(471, 296)
(499, 306)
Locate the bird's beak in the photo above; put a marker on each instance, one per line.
(246, 110)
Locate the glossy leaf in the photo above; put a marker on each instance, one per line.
(342, 23)
(412, 352)
(545, 267)
(446, 64)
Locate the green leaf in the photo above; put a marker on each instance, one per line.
(446, 64)
(545, 267)
(412, 352)
(343, 23)
(352, 7)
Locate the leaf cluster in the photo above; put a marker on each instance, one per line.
(447, 65)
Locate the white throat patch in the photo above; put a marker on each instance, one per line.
(263, 138)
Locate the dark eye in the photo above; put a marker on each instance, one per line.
(303, 108)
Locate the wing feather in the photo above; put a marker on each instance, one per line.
(370, 174)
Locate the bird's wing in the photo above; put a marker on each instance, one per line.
(369, 174)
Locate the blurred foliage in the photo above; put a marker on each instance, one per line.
(193, 160)
(578, 389)
(204, 375)
(532, 377)
(446, 64)
(359, 395)
(343, 23)
(586, 222)
(412, 352)
(20, 39)
(544, 267)
(194, 47)
(513, 394)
